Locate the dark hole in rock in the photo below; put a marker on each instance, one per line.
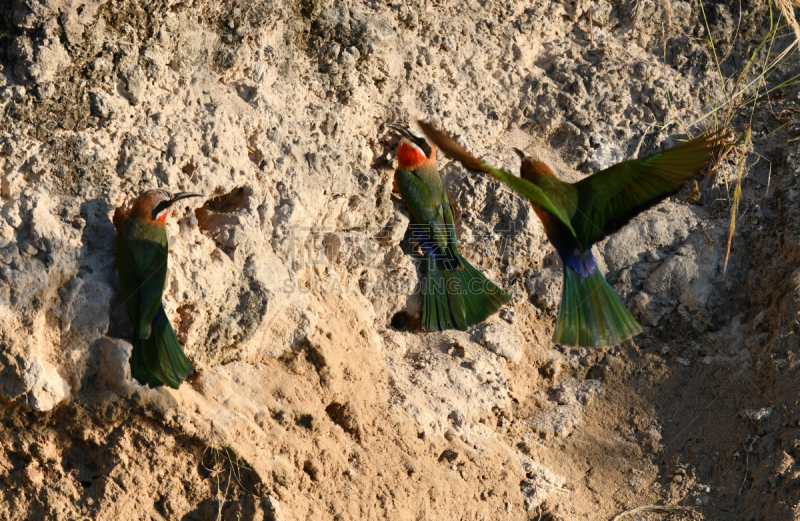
(253, 153)
(221, 204)
(449, 454)
(311, 469)
(345, 417)
(230, 202)
(246, 92)
(307, 421)
(189, 169)
(402, 321)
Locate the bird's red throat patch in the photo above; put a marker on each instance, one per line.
(164, 214)
(409, 156)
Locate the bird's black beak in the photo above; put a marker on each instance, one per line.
(520, 153)
(403, 131)
(182, 195)
(163, 205)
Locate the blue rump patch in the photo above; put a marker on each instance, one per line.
(582, 264)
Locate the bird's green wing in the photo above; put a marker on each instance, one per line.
(534, 194)
(142, 250)
(450, 226)
(612, 197)
(154, 278)
(128, 277)
(425, 208)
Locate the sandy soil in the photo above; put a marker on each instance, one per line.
(316, 395)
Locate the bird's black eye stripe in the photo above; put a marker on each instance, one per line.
(423, 145)
(420, 142)
(160, 207)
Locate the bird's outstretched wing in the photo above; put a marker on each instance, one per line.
(535, 194)
(612, 197)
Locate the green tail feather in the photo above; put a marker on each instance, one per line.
(591, 314)
(159, 359)
(458, 299)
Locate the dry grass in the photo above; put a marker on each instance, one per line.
(787, 8)
(750, 93)
(737, 196)
(224, 466)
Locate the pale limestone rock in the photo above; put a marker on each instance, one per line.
(44, 386)
(503, 341)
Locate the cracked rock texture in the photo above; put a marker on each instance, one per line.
(294, 282)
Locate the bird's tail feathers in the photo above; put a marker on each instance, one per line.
(457, 299)
(159, 359)
(591, 314)
(436, 314)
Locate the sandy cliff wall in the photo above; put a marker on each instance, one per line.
(292, 283)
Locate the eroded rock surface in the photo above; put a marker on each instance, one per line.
(294, 286)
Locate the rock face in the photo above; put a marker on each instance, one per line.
(294, 288)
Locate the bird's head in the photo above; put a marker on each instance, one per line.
(414, 150)
(156, 205)
(531, 167)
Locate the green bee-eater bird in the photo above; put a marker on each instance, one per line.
(455, 294)
(142, 250)
(576, 215)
